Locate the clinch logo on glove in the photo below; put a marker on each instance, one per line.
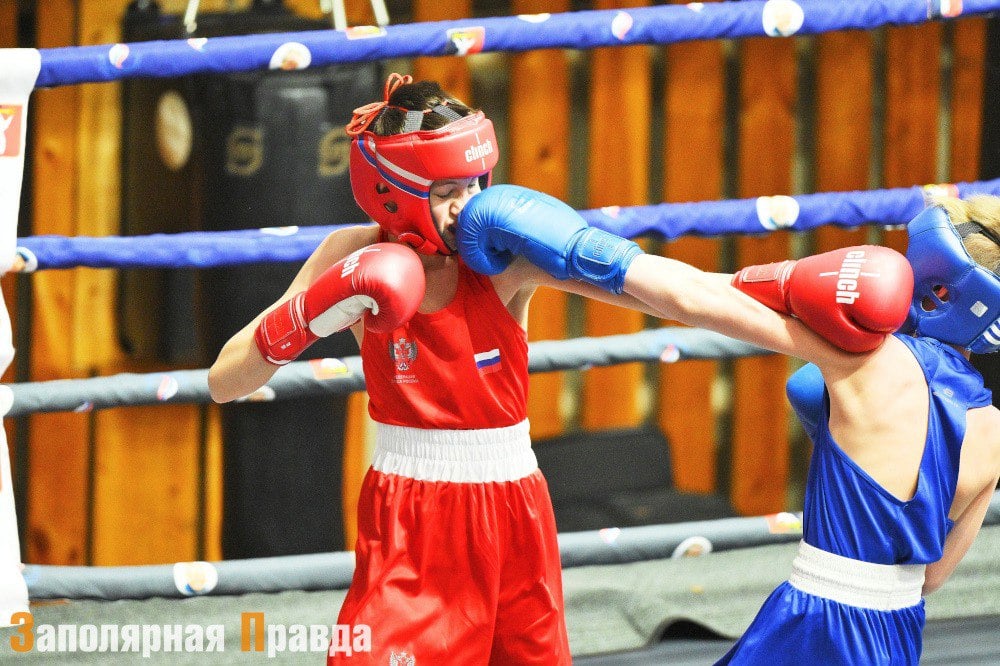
(847, 277)
(478, 152)
(353, 259)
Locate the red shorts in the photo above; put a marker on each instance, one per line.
(457, 557)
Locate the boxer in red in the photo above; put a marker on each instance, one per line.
(457, 557)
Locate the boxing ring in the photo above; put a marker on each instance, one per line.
(626, 589)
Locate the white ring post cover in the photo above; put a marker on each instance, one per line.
(19, 69)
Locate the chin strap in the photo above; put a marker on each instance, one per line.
(419, 243)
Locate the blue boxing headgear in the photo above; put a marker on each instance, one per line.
(967, 311)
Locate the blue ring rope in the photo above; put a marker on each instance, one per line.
(570, 30)
(206, 249)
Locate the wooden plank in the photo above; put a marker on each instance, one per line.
(760, 450)
(311, 9)
(358, 444)
(178, 6)
(843, 125)
(147, 465)
(8, 24)
(58, 486)
(147, 459)
(911, 115)
(539, 127)
(692, 171)
(452, 72)
(968, 73)
(213, 466)
(98, 117)
(618, 174)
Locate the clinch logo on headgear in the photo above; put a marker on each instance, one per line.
(478, 152)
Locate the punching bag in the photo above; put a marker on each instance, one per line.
(276, 155)
(265, 149)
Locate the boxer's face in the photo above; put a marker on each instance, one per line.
(447, 199)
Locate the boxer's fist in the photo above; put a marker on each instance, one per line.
(384, 283)
(504, 221)
(854, 297)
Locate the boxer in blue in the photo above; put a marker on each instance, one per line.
(906, 453)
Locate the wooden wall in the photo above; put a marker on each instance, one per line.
(719, 119)
(121, 486)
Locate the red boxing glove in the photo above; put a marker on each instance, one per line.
(383, 282)
(854, 297)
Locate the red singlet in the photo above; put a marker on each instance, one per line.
(460, 368)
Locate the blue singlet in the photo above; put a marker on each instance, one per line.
(847, 513)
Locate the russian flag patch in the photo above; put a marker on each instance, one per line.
(488, 361)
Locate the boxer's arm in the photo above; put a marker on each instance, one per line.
(959, 540)
(680, 292)
(854, 297)
(383, 283)
(676, 291)
(522, 273)
(506, 221)
(239, 369)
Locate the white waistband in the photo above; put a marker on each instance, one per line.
(881, 587)
(463, 456)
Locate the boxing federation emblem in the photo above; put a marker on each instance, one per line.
(465, 41)
(403, 353)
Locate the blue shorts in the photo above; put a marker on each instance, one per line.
(793, 627)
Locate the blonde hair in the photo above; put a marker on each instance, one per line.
(983, 209)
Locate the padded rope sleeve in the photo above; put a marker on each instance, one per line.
(574, 30)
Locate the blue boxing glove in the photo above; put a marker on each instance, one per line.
(504, 221)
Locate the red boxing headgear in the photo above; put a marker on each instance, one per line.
(391, 175)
